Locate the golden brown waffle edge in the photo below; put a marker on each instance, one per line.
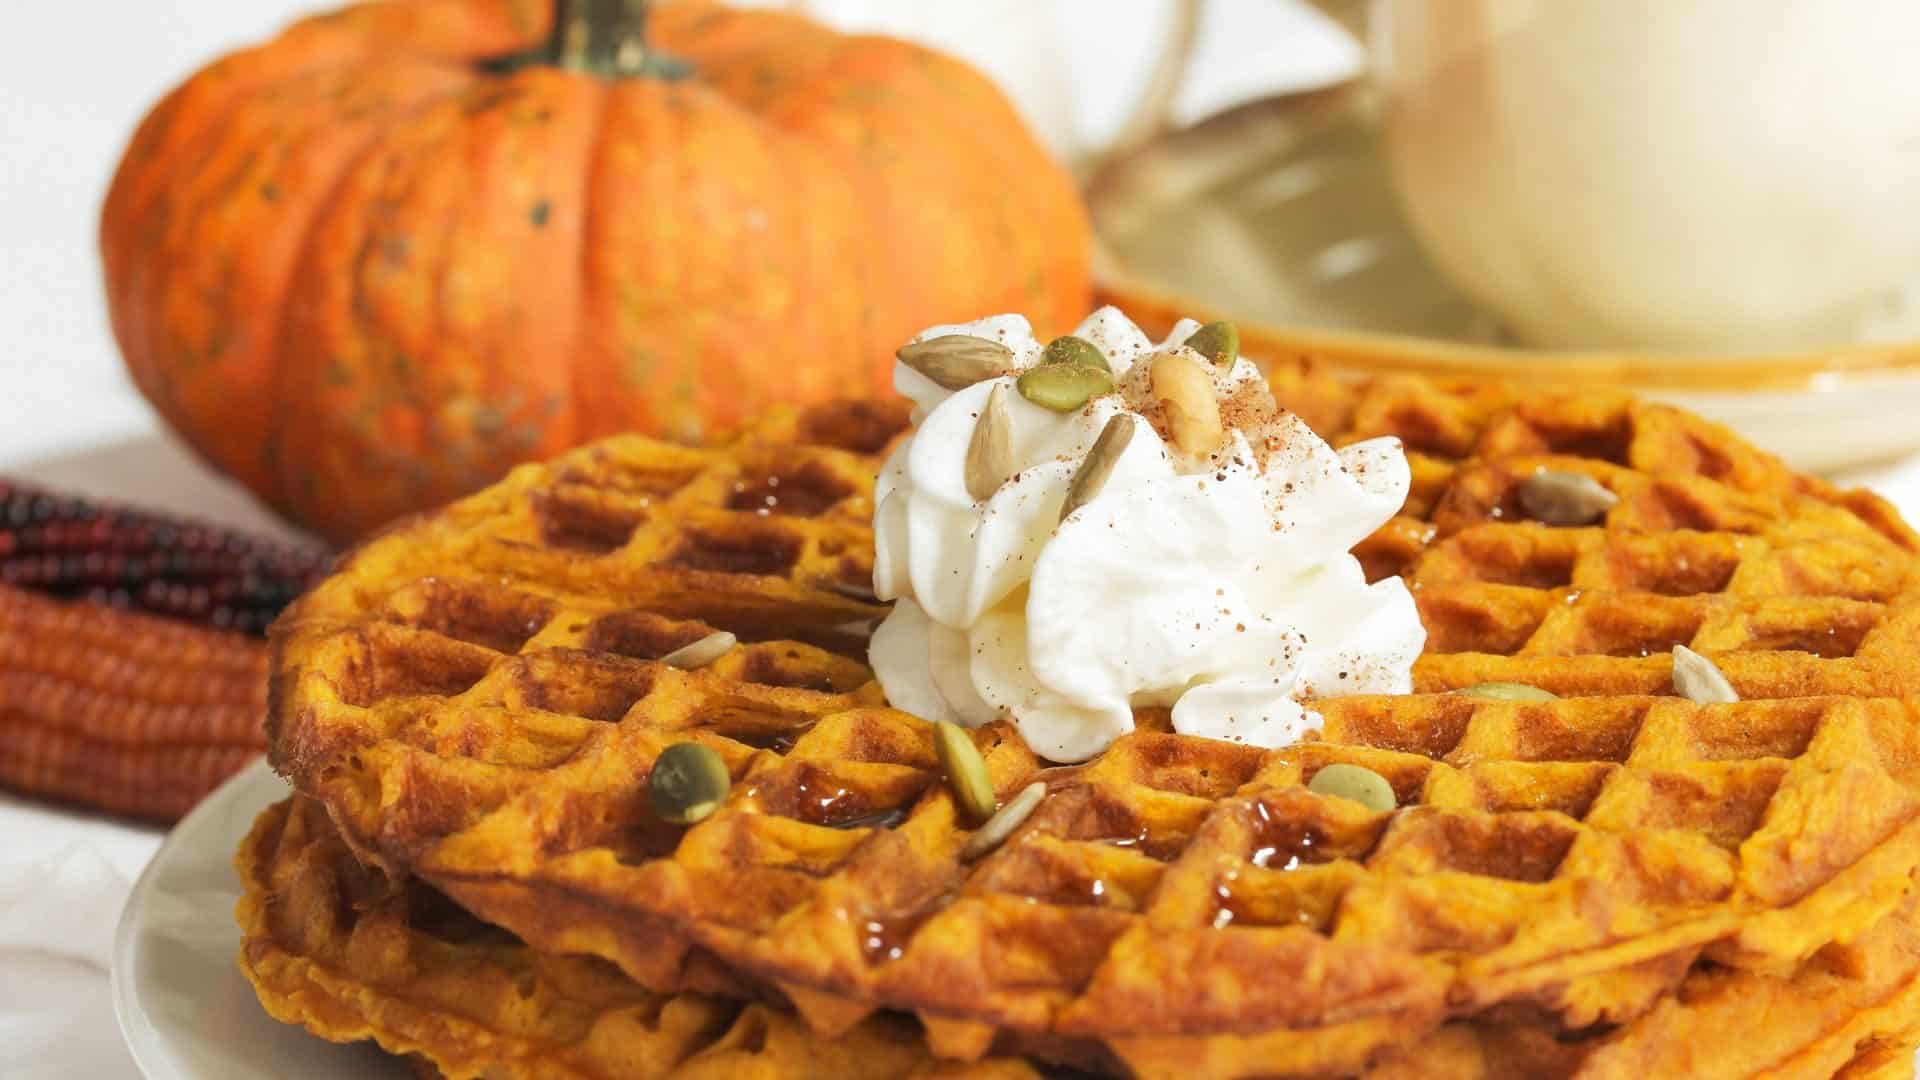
(352, 955)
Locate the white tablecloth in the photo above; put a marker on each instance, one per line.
(70, 92)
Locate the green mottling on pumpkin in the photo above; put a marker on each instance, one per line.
(417, 473)
(488, 421)
(270, 191)
(217, 344)
(394, 249)
(686, 426)
(637, 371)
(490, 98)
(948, 77)
(864, 93)
(186, 358)
(524, 19)
(540, 212)
(270, 456)
(337, 374)
(875, 148)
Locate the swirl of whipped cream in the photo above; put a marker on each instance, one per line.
(1220, 584)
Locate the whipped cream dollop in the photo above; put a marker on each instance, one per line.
(1220, 583)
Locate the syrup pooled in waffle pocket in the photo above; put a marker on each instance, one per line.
(1556, 816)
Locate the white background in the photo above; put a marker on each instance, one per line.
(75, 79)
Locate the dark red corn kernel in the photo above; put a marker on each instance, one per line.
(123, 557)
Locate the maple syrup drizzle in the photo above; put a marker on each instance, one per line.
(885, 938)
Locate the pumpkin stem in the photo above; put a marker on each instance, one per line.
(608, 38)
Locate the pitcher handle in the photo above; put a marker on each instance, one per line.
(1152, 114)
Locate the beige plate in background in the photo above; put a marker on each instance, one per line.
(1278, 214)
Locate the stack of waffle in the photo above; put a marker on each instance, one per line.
(1614, 880)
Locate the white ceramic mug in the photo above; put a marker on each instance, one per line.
(1697, 175)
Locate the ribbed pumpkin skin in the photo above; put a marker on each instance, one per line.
(364, 274)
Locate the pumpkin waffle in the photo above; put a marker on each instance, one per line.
(351, 954)
(478, 699)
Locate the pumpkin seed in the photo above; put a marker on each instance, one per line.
(1699, 680)
(1067, 349)
(1098, 465)
(1005, 821)
(956, 361)
(966, 771)
(1219, 342)
(1064, 387)
(879, 819)
(990, 451)
(1564, 498)
(701, 653)
(1193, 413)
(1507, 691)
(688, 783)
(1355, 782)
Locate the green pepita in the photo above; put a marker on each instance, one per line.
(1005, 821)
(990, 451)
(956, 361)
(1067, 349)
(1219, 342)
(1064, 387)
(1098, 465)
(966, 772)
(689, 782)
(1355, 782)
(1507, 691)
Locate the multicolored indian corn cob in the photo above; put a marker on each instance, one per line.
(132, 674)
(137, 559)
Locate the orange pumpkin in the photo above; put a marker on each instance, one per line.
(371, 264)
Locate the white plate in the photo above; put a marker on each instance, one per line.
(184, 1007)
